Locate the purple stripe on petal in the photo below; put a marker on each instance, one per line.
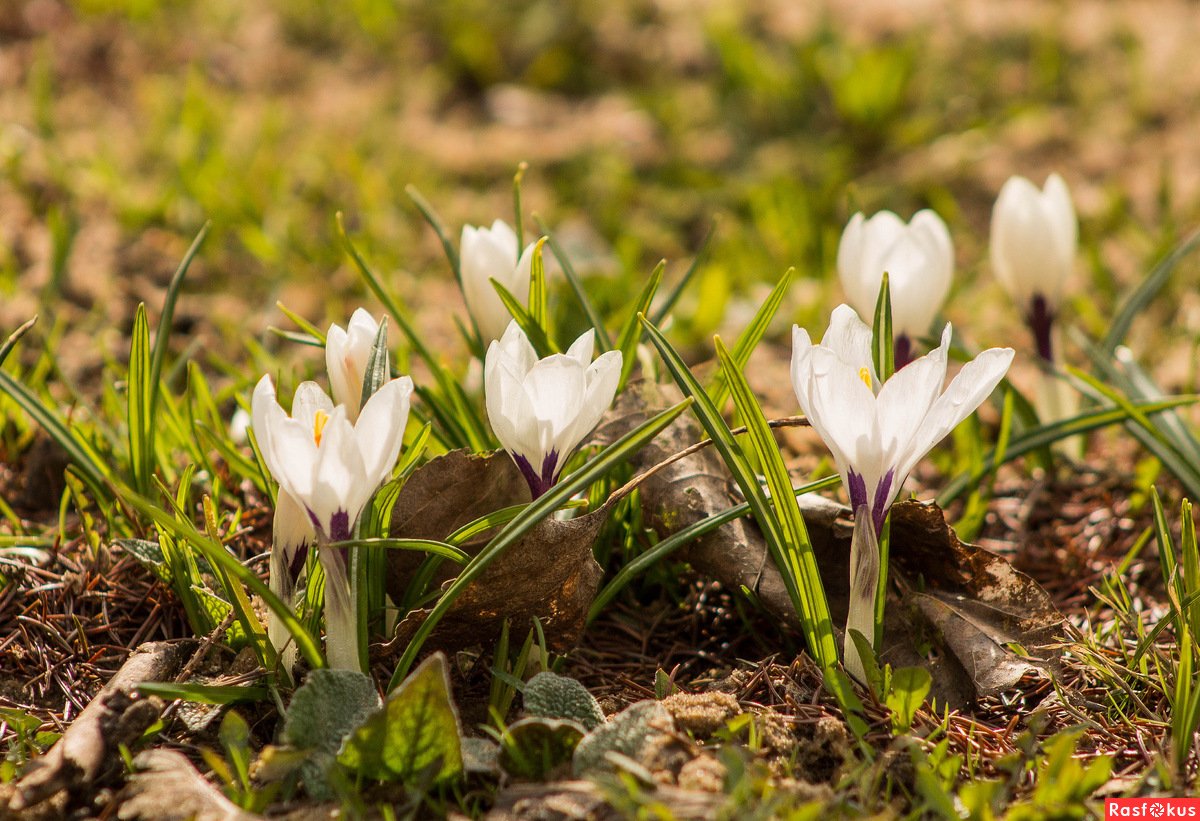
(902, 352)
(857, 490)
(298, 560)
(339, 526)
(538, 483)
(879, 508)
(1041, 320)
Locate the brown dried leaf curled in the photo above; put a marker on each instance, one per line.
(550, 574)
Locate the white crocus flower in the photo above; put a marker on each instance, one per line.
(291, 536)
(542, 409)
(1034, 235)
(330, 467)
(346, 355)
(877, 433)
(492, 253)
(918, 258)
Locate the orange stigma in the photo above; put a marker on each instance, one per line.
(319, 421)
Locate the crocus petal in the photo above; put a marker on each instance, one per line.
(965, 393)
(308, 400)
(850, 340)
(1033, 239)
(581, 349)
(380, 428)
(905, 399)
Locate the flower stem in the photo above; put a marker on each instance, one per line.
(864, 582)
(341, 614)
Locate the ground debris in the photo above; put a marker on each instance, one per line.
(167, 787)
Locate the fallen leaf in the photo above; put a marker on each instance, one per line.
(550, 574)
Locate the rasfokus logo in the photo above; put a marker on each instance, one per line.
(1152, 808)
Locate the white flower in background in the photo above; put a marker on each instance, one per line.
(492, 253)
(877, 433)
(542, 409)
(329, 467)
(1034, 236)
(346, 355)
(239, 425)
(919, 260)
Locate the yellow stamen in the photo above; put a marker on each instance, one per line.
(865, 376)
(319, 420)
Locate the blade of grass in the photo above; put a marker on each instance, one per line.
(794, 553)
(14, 338)
(536, 333)
(576, 284)
(518, 217)
(139, 404)
(1144, 294)
(592, 470)
(539, 298)
(660, 314)
(318, 336)
(882, 339)
(439, 228)
(627, 341)
(1040, 437)
(220, 557)
(676, 540)
(749, 338)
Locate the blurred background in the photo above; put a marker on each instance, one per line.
(125, 124)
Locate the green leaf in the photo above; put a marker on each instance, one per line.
(882, 338)
(14, 338)
(594, 469)
(749, 338)
(202, 693)
(627, 342)
(660, 551)
(439, 228)
(577, 287)
(312, 335)
(415, 737)
(429, 546)
(378, 370)
(539, 299)
(549, 695)
(92, 468)
(518, 217)
(529, 324)
(141, 447)
(794, 552)
(673, 297)
(818, 628)
(1045, 435)
(533, 748)
(910, 686)
(1144, 294)
(224, 562)
(162, 336)
(327, 707)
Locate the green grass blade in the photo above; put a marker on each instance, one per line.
(378, 369)
(139, 389)
(660, 314)
(433, 548)
(735, 460)
(795, 549)
(1144, 294)
(1038, 438)
(518, 216)
(676, 540)
(593, 469)
(577, 288)
(162, 337)
(536, 333)
(318, 336)
(539, 297)
(203, 693)
(439, 228)
(749, 338)
(882, 338)
(220, 558)
(630, 335)
(92, 468)
(14, 338)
